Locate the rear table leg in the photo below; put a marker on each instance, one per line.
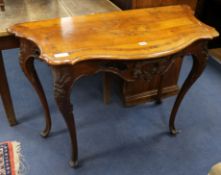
(5, 94)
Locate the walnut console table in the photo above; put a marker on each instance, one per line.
(123, 43)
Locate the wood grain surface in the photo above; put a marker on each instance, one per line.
(133, 34)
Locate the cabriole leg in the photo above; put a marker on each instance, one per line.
(27, 56)
(199, 55)
(63, 82)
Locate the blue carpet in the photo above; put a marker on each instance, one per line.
(114, 140)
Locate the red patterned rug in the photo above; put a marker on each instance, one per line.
(10, 158)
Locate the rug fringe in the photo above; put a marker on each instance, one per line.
(20, 167)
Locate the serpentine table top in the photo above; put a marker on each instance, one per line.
(133, 34)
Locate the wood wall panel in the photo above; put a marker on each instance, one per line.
(129, 4)
(157, 3)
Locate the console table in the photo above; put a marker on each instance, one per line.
(32, 11)
(123, 43)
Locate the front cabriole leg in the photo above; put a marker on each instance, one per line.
(63, 81)
(28, 53)
(199, 53)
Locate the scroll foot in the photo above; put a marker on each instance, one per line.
(174, 131)
(45, 133)
(74, 164)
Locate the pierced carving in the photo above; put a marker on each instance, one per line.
(133, 70)
(146, 70)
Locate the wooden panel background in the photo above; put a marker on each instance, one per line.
(157, 3)
(128, 4)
